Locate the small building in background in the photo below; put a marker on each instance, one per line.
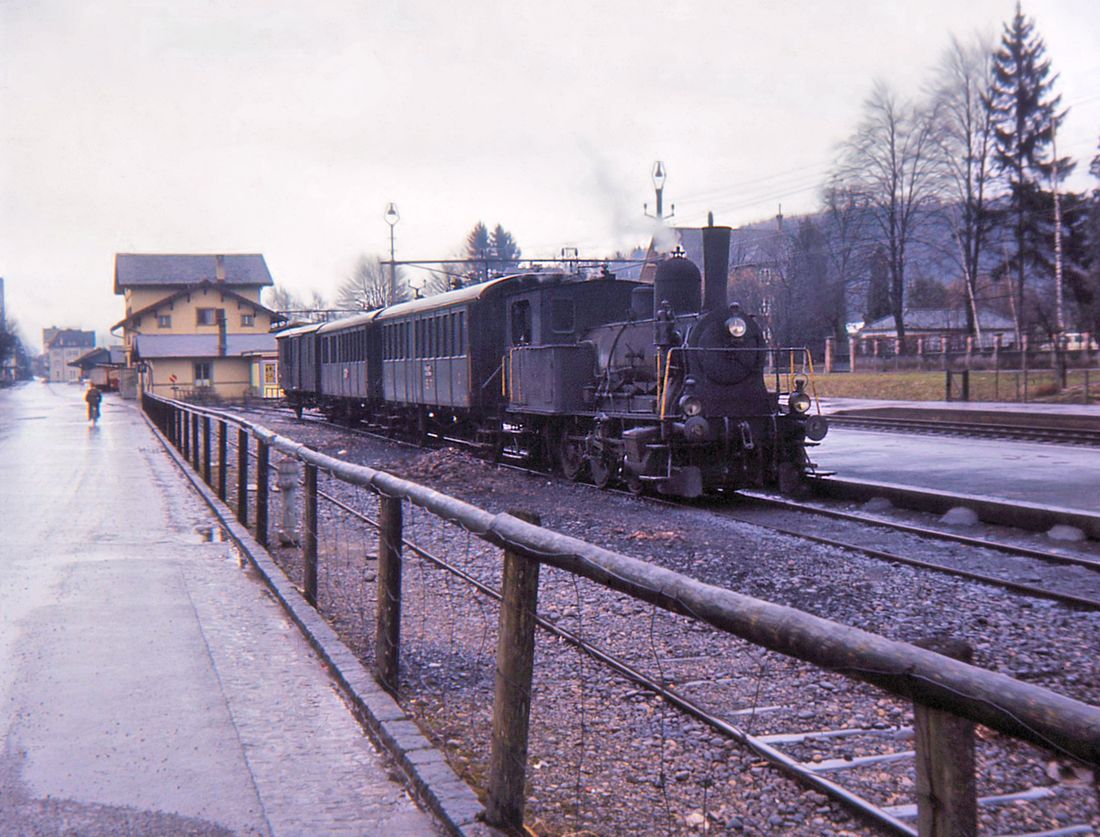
(936, 330)
(101, 366)
(194, 325)
(60, 347)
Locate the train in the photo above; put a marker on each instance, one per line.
(661, 386)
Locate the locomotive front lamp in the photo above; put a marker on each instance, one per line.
(691, 406)
(736, 326)
(799, 402)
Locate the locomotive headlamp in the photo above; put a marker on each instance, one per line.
(690, 406)
(736, 326)
(799, 402)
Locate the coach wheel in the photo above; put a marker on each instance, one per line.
(635, 485)
(571, 456)
(602, 469)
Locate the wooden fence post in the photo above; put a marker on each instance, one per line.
(242, 476)
(388, 620)
(223, 459)
(947, 798)
(309, 536)
(185, 434)
(512, 697)
(207, 469)
(263, 477)
(196, 453)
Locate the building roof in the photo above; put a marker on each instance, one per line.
(151, 269)
(938, 319)
(70, 338)
(205, 284)
(101, 356)
(152, 346)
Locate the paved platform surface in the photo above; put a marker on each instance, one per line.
(149, 684)
(1059, 475)
(835, 405)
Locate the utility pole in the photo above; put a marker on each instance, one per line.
(1059, 309)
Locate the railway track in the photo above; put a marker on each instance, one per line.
(828, 758)
(1037, 433)
(1010, 566)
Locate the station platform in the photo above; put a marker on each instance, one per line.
(1064, 476)
(149, 683)
(962, 408)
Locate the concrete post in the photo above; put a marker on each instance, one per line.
(853, 344)
(287, 474)
(830, 350)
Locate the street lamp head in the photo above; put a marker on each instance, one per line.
(392, 216)
(659, 175)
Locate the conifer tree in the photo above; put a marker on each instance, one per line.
(506, 250)
(1025, 114)
(477, 251)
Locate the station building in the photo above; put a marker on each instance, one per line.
(194, 325)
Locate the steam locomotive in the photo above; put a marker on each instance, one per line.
(660, 386)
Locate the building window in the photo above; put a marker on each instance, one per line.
(248, 320)
(206, 316)
(204, 375)
(164, 320)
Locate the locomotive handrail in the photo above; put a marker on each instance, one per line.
(1021, 710)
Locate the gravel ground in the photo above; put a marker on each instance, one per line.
(606, 757)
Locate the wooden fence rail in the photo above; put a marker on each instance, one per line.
(950, 695)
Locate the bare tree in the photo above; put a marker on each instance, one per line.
(281, 298)
(890, 161)
(369, 286)
(965, 142)
(844, 227)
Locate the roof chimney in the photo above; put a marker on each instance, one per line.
(219, 268)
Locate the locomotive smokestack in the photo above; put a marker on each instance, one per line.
(716, 264)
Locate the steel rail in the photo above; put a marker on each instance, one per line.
(923, 531)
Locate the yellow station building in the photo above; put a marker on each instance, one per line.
(194, 325)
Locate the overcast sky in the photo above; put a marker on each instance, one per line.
(285, 127)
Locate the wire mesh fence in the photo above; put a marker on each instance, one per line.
(646, 704)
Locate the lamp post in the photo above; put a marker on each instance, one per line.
(659, 176)
(392, 217)
(659, 185)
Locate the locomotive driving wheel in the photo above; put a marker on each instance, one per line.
(571, 455)
(602, 468)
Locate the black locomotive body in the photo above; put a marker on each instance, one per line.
(660, 386)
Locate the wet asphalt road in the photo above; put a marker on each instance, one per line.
(148, 683)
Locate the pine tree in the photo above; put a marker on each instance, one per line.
(505, 248)
(477, 251)
(1025, 114)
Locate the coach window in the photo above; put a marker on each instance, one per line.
(562, 319)
(461, 342)
(521, 322)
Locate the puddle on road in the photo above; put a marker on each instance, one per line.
(212, 534)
